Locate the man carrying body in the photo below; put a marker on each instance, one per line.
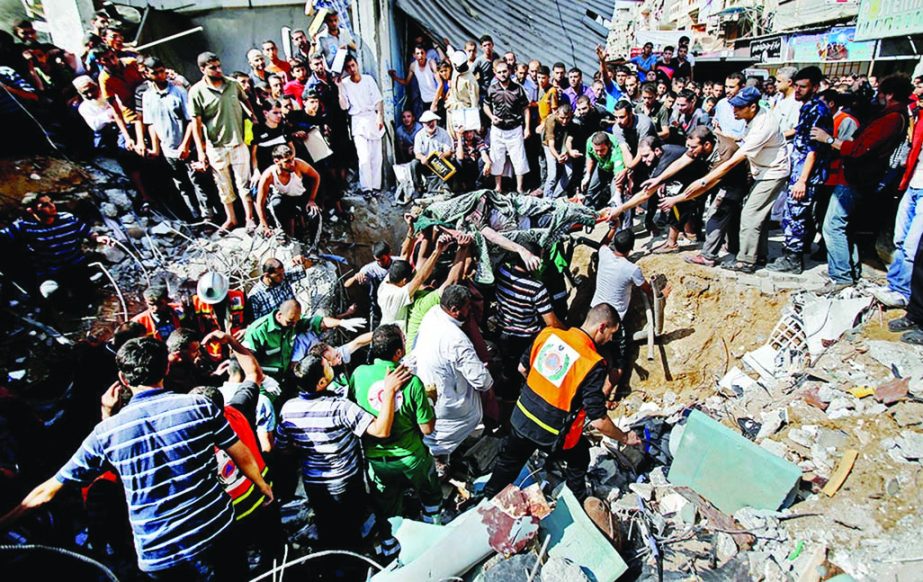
(564, 386)
(396, 293)
(448, 364)
(765, 149)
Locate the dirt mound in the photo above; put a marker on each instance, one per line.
(710, 321)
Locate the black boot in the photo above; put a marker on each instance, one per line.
(787, 263)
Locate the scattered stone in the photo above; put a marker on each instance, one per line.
(562, 570)
(725, 547)
(645, 490)
(892, 391)
(831, 439)
(109, 210)
(112, 254)
(804, 436)
(908, 414)
(162, 229)
(772, 422)
(119, 198)
(775, 447)
(907, 447)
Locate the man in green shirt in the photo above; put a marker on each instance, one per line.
(272, 338)
(218, 105)
(400, 460)
(605, 170)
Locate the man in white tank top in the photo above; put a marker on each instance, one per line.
(283, 184)
(424, 71)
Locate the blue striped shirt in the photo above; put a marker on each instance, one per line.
(162, 445)
(325, 429)
(54, 246)
(521, 303)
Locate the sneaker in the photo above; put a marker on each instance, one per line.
(901, 324)
(913, 337)
(787, 263)
(833, 287)
(889, 298)
(740, 267)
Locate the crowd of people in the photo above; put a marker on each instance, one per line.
(226, 399)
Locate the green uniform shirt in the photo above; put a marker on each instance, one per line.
(614, 162)
(221, 111)
(272, 344)
(412, 409)
(420, 307)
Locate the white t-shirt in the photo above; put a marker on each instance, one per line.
(362, 96)
(426, 80)
(787, 111)
(614, 279)
(393, 302)
(765, 148)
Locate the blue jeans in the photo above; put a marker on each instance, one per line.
(908, 227)
(842, 255)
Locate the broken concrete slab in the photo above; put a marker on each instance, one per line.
(830, 317)
(472, 537)
(892, 391)
(905, 358)
(575, 538)
(728, 470)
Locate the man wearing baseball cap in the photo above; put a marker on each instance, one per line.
(764, 149)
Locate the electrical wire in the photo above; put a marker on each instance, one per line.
(31, 547)
(318, 555)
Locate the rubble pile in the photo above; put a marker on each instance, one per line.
(813, 470)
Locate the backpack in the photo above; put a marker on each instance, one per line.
(868, 170)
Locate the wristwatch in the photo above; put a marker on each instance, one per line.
(830, 140)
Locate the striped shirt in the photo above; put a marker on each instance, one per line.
(54, 246)
(521, 303)
(264, 299)
(162, 445)
(326, 430)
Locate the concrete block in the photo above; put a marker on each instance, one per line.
(729, 470)
(574, 537)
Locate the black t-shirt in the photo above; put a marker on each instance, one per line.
(581, 128)
(689, 174)
(265, 139)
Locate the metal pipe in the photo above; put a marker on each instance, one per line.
(169, 38)
(118, 290)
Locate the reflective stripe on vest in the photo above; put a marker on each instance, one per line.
(559, 362)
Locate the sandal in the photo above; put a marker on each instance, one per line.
(699, 260)
(740, 267)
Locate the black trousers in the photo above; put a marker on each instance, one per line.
(723, 224)
(225, 559)
(516, 451)
(198, 190)
(339, 511)
(915, 306)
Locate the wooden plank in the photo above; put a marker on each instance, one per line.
(842, 471)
